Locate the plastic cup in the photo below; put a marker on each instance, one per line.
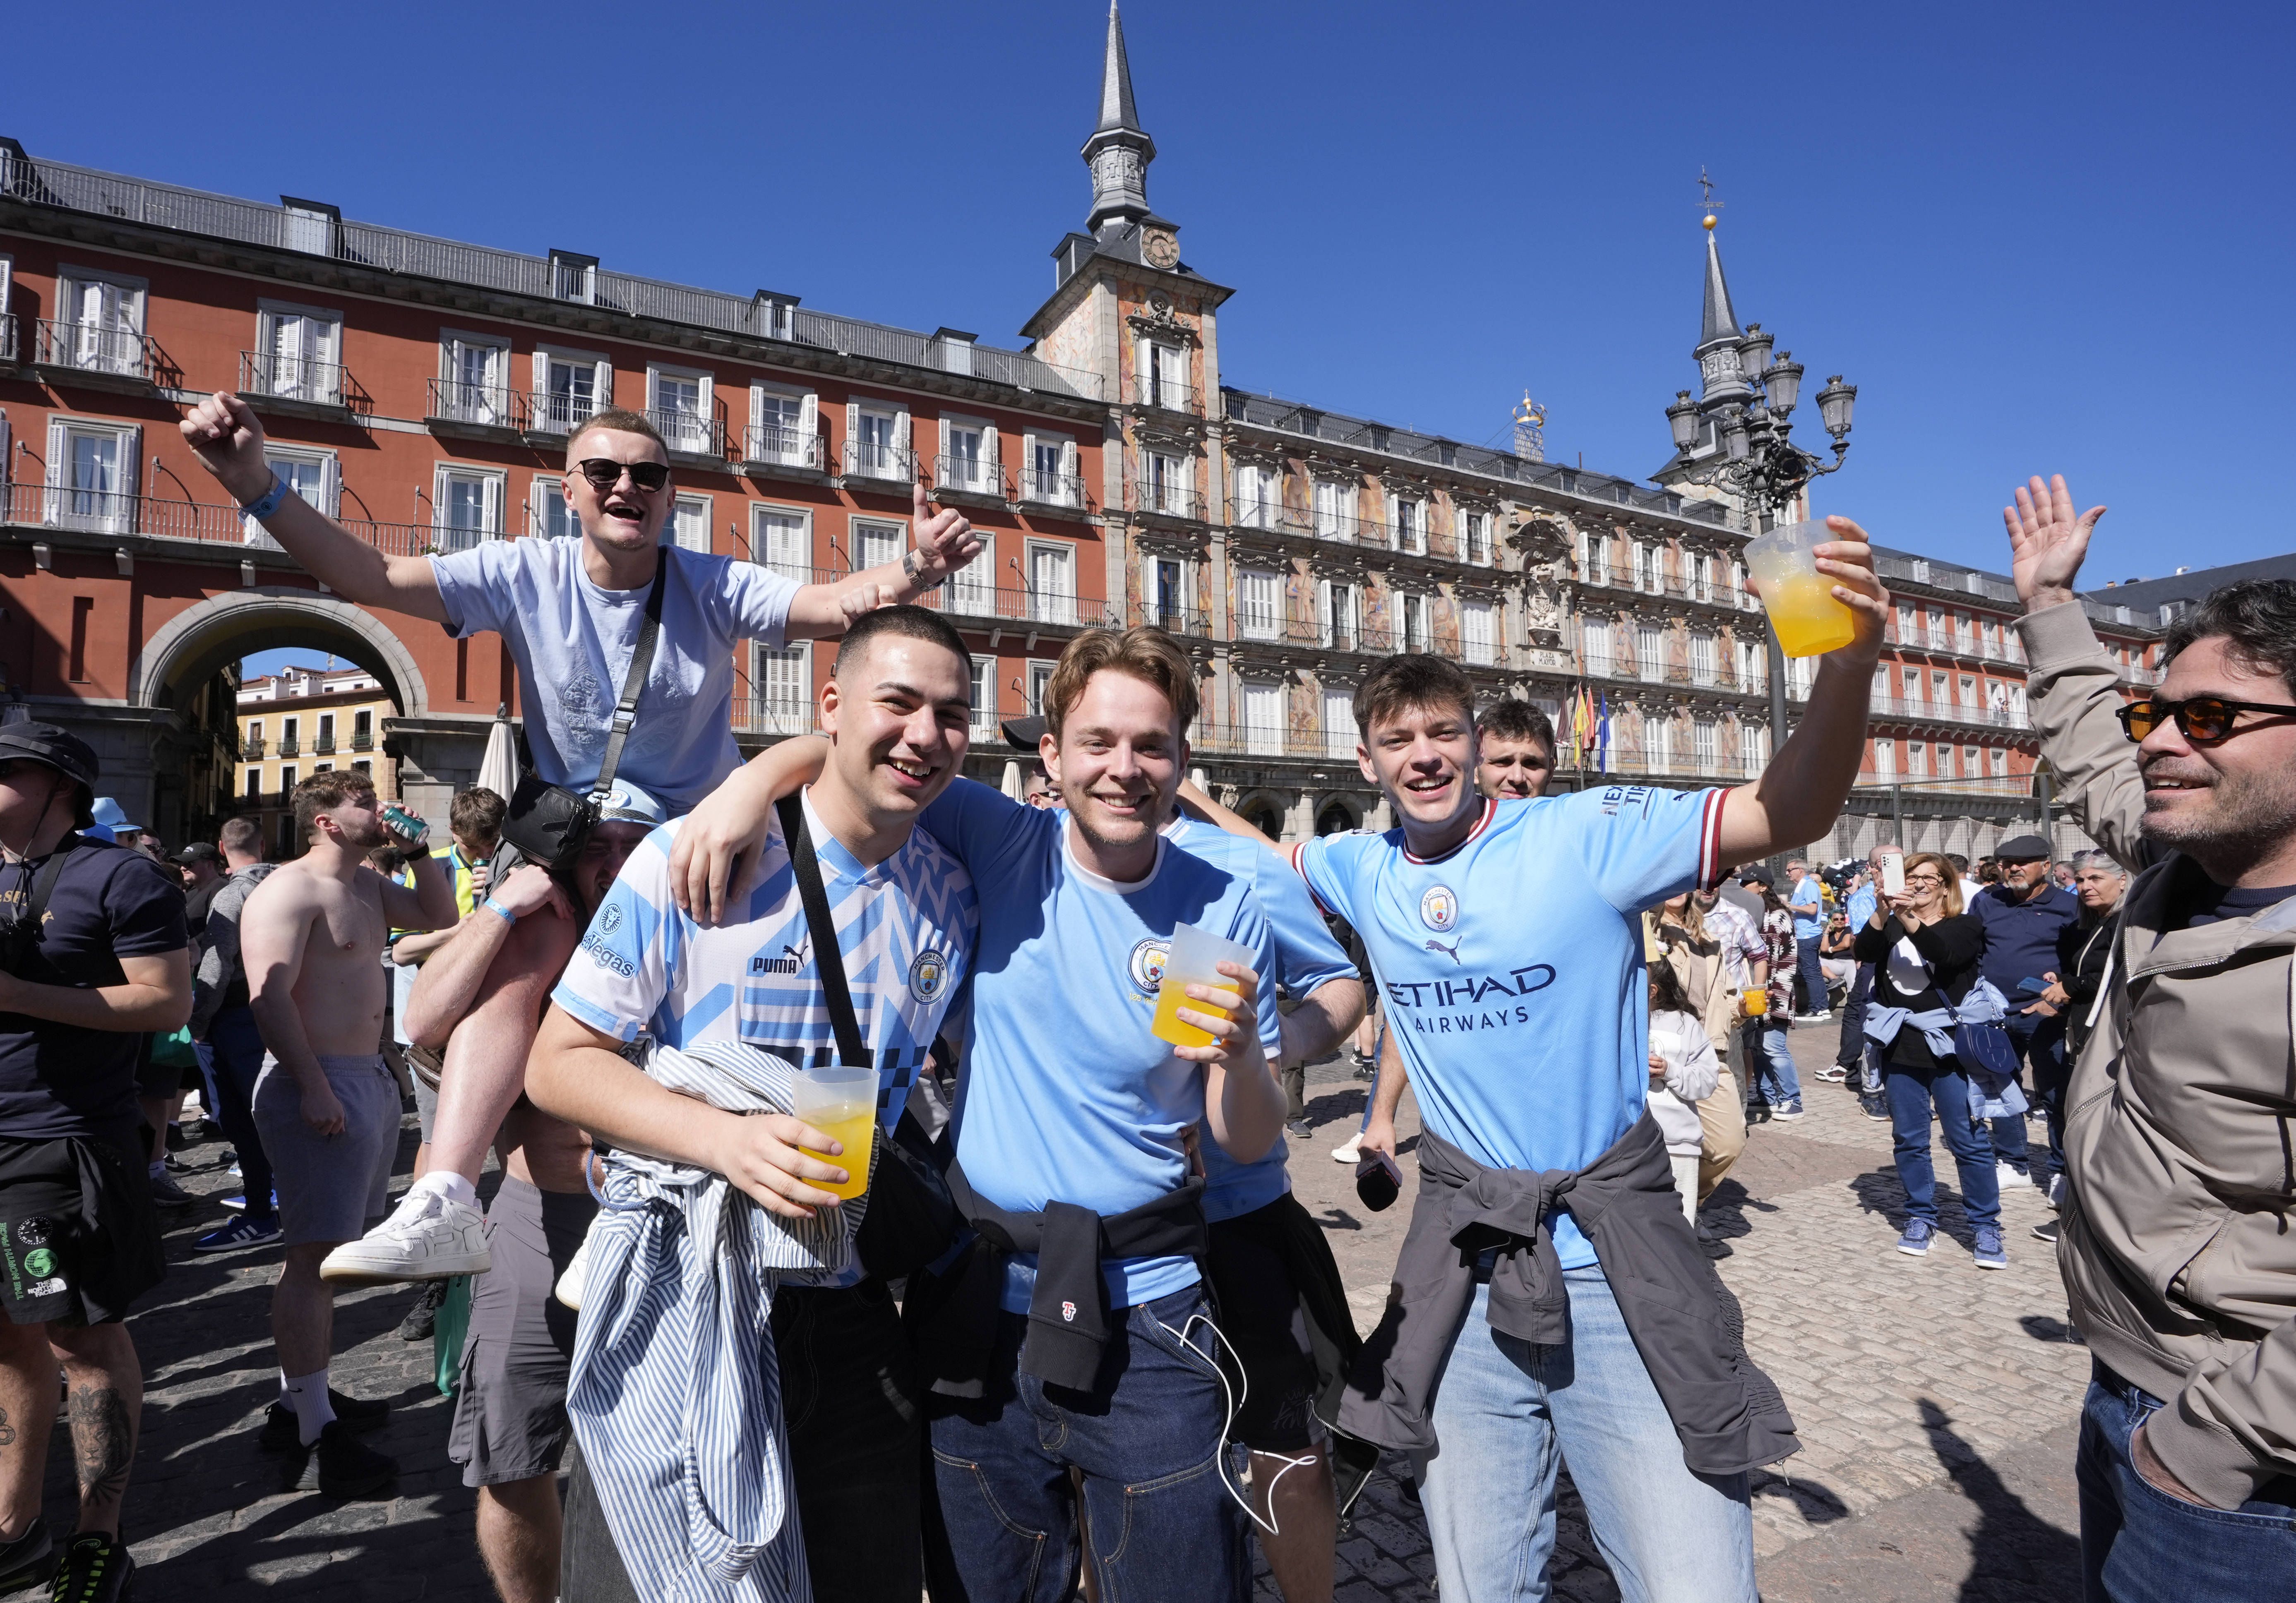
(1798, 599)
(1191, 962)
(1758, 1002)
(842, 1103)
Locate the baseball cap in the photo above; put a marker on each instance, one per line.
(627, 804)
(52, 745)
(2022, 848)
(1024, 734)
(1755, 874)
(198, 851)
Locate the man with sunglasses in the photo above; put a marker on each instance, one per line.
(2176, 1244)
(569, 611)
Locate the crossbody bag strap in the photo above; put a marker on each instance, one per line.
(626, 710)
(828, 962)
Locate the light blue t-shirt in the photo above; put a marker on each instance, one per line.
(905, 931)
(1065, 1096)
(1859, 909)
(1512, 965)
(1306, 957)
(572, 642)
(1809, 904)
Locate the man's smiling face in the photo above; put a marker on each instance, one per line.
(1118, 760)
(899, 715)
(622, 516)
(1422, 757)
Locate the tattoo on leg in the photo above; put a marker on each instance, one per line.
(103, 1442)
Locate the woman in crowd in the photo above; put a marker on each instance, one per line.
(1925, 951)
(1682, 944)
(1775, 1077)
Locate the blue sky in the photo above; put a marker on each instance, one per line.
(2038, 239)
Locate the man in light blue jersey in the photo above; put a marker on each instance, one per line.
(1072, 1330)
(898, 710)
(1555, 1296)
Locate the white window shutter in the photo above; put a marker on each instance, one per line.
(541, 384)
(331, 487)
(494, 503)
(901, 429)
(808, 421)
(605, 385)
(438, 486)
(853, 430)
(989, 464)
(7, 462)
(757, 407)
(131, 459)
(1068, 465)
(1143, 374)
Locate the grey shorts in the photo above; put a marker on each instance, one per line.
(330, 1187)
(510, 1410)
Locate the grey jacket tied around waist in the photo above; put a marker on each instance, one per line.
(1683, 1323)
(675, 1392)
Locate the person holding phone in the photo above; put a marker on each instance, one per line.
(1926, 953)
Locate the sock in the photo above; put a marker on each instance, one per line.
(158, 1168)
(446, 1183)
(307, 1395)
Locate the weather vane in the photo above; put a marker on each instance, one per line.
(1708, 204)
(1530, 430)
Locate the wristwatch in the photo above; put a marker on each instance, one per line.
(912, 568)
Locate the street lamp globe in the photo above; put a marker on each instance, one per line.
(1834, 403)
(1682, 417)
(1754, 353)
(1784, 384)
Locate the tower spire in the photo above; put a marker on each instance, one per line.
(1720, 323)
(1119, 150)
(1719, 334)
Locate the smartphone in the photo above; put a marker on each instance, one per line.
(1378, 1182)
(1893, 873)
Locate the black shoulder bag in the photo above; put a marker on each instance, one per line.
(912, 1218)
(548, 823)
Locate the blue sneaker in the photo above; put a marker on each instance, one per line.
(1915, 1242)
(1785, 1112)
(1990, 1253)
(249, 1230)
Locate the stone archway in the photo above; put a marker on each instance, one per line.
(192, 646)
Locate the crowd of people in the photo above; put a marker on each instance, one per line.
(1042, 1311)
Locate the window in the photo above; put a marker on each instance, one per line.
(1800, 670)
(1753, 665)
(466, 507)
(1040, 675)
(1969, 696)
(567, 389)
(1413, 610)
(1972, 763)
(363, 766)
(783, 682)
(474, 380)
(1052, 480)
(255, 729)
(1475, 537)
(1164, 376)
(877, 544)
(972, 588)
(299, 354)
(1259, 496)
(877, 443)
(1406, 522)
(1169, 489)
(1263, 718)
(680, 403)
(1596, 557)
(326, 732)
(254, 783)
(90, 474)
(553, 519)
(1917, 759)
(573, 277)
(1702, 578)
(969, 456)
(2000, 762)
(1330, 516)
(689, 523)
(1339, 721)
(363, 730)
(1167, 598)
(785, 426)
(983, 693)
(1335, 615)
(1258, 607)
(1965, 634)
(1991, 631)
(98, 323)
(1649, 653)
(310, 474)
(1905, 625)
(1702, 659)
(1885, 759)
(1704, 740)
(1646, 567)
(1052, 583)
(1658, 742)
(291, 731)
(1753, 747)
(1477, 644)
(781, 540)
(1913, 695)
(1939, 698)
(1594, 645)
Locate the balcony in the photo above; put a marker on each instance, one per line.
(295, 385)
(980, 479)
(1266, 516)
(290, 746)
(1154, 499)
(1166, 394)
(361, 741)
(1618, 575)
(553, 415)
(971, 604)
(324, 746)
(772, 451)
(689, 437)
(472, 410)
(1193, 622)
(38, 506)
(1941, 712)
(771, 717)
(109, 358)
(1053, 491)
(250, 749)
(867, 459)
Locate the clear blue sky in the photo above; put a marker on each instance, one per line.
(2037, 239)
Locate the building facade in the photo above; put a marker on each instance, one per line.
(303, 721)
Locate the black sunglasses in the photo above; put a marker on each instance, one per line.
(2203, 720)
(604, 472)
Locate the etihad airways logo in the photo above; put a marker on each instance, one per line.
(1475, 1002)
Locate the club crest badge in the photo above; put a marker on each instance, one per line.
(928, 976)
(1068, 1313)
(1147, 964)
(1439, 909)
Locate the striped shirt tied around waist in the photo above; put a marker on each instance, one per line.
(676, 1389)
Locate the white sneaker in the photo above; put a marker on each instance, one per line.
(427, 1238)
(2010, 1174)
(1350, 1150)
(571, 1284)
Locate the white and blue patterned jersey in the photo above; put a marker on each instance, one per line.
(906, 930)
(1512, 965)
(1306, 958)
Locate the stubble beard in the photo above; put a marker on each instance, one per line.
(2248, 815)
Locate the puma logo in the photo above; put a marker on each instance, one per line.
(790, 962)
(1451, 951)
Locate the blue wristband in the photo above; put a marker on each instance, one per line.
(270, 500)
(491, 905)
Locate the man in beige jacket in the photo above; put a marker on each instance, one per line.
(2179, 1246)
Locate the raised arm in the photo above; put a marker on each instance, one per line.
(429, 903)
(1800, 793)
(224, 434)
(1193, 799)
(449, 985)
(944, 543)
(714, 861)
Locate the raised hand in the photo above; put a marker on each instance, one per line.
(224, 434)
(1848, 560)
(945, 541)
(2046, 543)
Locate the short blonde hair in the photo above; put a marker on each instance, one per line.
(1144, 653)
(615, 420)
(1947, 872)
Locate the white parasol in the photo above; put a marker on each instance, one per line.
(498, 771)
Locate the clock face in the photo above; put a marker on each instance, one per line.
(1160, 248)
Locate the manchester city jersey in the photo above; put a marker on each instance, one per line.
(1513, 964)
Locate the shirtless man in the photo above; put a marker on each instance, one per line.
(480, 997)
(325, 1106)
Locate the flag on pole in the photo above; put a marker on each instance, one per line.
(1603, 736)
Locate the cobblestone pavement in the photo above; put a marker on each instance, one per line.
(1936, 1404)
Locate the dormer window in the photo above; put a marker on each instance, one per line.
(574, 277)
(774, 315)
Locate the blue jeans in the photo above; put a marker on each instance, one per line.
(2140, 1545)
(1813, 976)
(1911, 1092)
(1507, 1413)
(1780, 1082)
(236, 1048)
(1149, 1439)
(2040, 1044)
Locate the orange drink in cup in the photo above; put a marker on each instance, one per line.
(1800, 600)
(1192, 961)
(842, 1103)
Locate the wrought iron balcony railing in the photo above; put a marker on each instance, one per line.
(85, 347)
(312, 383)
(865, 459)
(771, 446)
(969, 474)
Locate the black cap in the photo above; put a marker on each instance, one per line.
(2022, 848)
(198, 851)
(58, 747)
(1754, 873)
(1024, 733)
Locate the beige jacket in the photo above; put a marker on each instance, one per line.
(1698, 964)
(2178, 1249)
